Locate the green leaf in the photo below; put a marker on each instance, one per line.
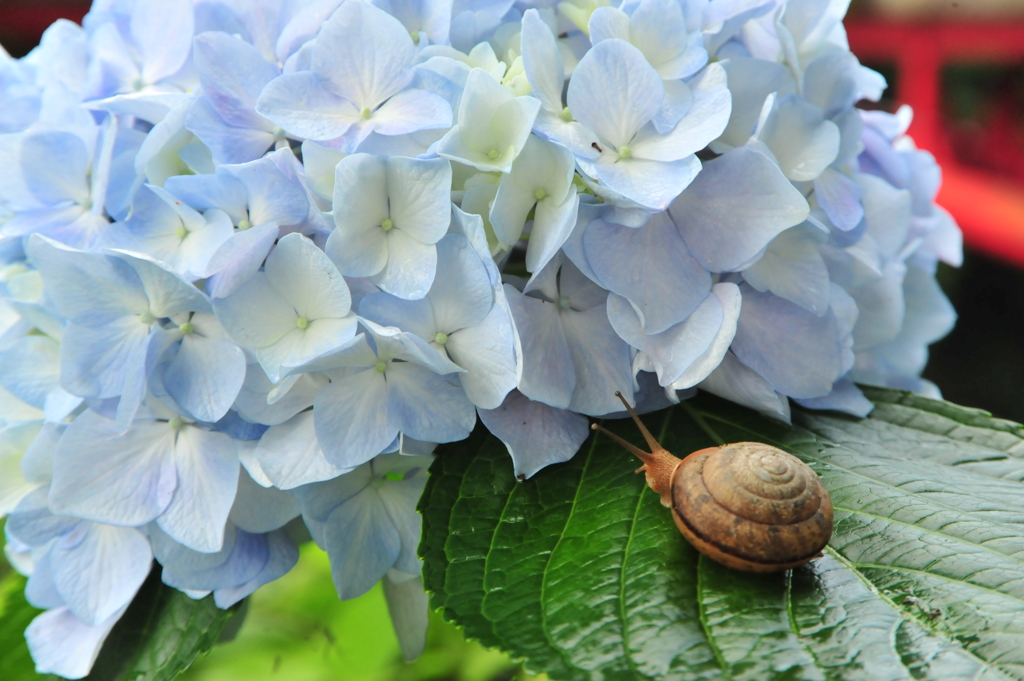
(158, 637)
(15, 614)
(581, 572)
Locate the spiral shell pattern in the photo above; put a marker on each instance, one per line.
(751, 506)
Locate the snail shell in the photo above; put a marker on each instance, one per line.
(748, 505)
(751, 506)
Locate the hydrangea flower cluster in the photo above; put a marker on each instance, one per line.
(258, 258)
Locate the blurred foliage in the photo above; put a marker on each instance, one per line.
(296, 629)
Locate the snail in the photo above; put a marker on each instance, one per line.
(747, 505)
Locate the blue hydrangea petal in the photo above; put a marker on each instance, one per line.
(554, 435)
(649, 266)
(207, 466)
(362, 543)
(548, 373)
(98, 568)
(290, 454)
(351, 418)
(118, 479)
(427, 406)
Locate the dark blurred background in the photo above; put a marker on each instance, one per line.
(960, 64)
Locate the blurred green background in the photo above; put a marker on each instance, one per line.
(296, 629)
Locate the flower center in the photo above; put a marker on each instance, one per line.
(566, 115)
(302, 322)
(625, 152)
(176, 423)
(539, 194)
(147, 318)
(381, 367)
(181, 232)
(440, 338)
(492, 154)
(564, 303)
(386, 224)
(186, 328)
(366, 113)
(244, 225)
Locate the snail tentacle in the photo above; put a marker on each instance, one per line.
(659, 464)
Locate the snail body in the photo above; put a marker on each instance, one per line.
(746, 505)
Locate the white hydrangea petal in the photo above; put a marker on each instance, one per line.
(614, 91)
(840, 197)
(492, 127)
(678, 101)
(98, 287)
(238, 258)
(304, 276)
(552, 225)
(167, 291)
(282, 557)
(802, 141)
(410, 268)
(162, 33)
(410, 111)
(608, 23)
(256, 315)
(419, 197)
(845, 397)
(650, 184)
(400, 498)
(30, 369)
(750, 82)
(463, 296)
(15, 439)
(542, 61)
(704, 121)
(363, 53)
(672, 351)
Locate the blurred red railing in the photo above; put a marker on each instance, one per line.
(29, 18)
(988, 206)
